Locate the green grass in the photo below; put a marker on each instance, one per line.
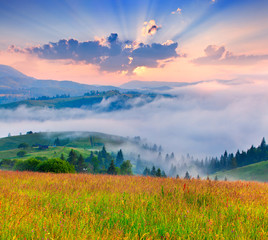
(252, 172)
(80, 141)
(51, 152)
(69, 139)
(9, 143)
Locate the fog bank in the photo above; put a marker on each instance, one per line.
(203, 120)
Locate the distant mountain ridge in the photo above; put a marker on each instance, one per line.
(162, 86)
(154, 85)
(15, 86)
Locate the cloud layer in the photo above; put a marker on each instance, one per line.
(204, 119)
(219, 55)
(110, 54)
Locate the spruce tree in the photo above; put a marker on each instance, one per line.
(139, 164)
(163, 174)
(153, 171)
(263, 144)
(112, 169)
(72, 159)
(146, 172)
(158, 173)
(119, 158)
(62, 157)
(57, 142)
(187, 175)
(103, 152)
(80, 164)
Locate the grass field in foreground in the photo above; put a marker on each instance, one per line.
(77, 206)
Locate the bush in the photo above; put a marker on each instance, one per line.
(27, 165)
(23, 145)
(8, 164)
(55, 165)
(126, 168)
(21, 153)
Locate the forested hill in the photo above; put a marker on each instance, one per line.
(235, 160)
(111, 101)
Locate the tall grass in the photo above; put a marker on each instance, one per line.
(77, 206)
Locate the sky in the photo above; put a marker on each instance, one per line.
(111, 42)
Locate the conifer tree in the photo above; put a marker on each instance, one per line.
(112, 169)
(72, 159)
(57, 142)
(146, 172)
(62, 157)
(119, 158)
(163, 174)
(139, 164)
(153, 171)
(158, 173)
(187, 175)
(80, 164)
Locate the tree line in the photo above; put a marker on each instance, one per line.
(228, 161)
(97, 162)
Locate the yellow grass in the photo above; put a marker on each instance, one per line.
(77, 206)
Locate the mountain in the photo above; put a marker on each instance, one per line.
(7, 71)
(154, 85)
(100, 102)
(162, 86)
(15, 86)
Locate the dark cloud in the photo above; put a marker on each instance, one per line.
(113, 55)
(219, 55)
(150, 28)
(153, 28)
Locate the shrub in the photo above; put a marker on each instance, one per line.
(21, 153)
(27, 165)
(55, 165)
(8, 164)
(126, 168)
(23, 145)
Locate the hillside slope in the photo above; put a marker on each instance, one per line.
(112, 100)
(69, 139)
(252, 172)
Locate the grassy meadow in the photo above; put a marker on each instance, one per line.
(252, 172)
(80, 206)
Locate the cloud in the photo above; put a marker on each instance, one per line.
(218, 55)
(204, 119)
(150, 28)
(178, 11)
(110, 54)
